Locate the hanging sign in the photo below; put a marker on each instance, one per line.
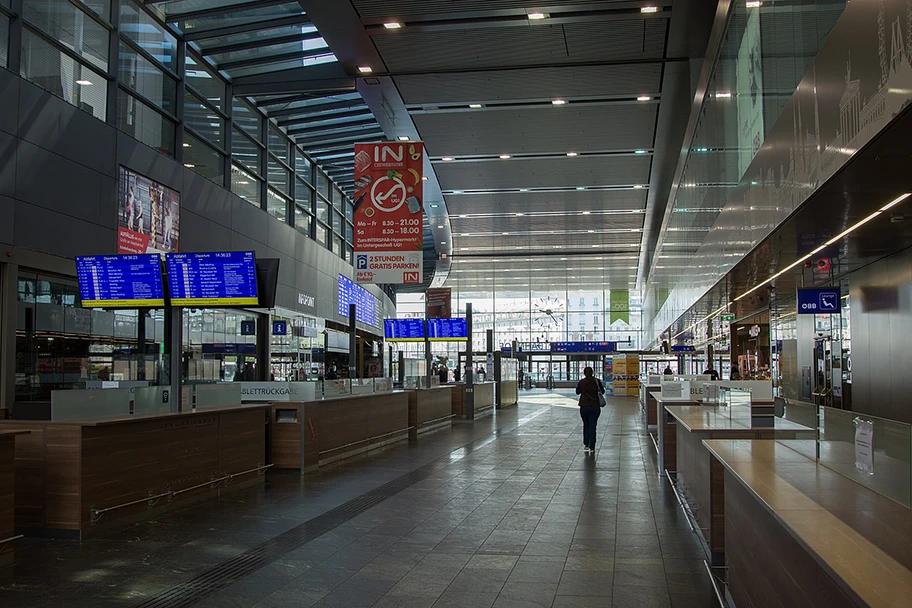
(438, 303)
(388, 213)
(819, 301)
(619, 300)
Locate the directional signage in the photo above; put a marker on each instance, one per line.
(819, 301)
(682, 348)
(728, 318)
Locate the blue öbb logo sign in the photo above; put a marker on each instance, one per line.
(819, 301)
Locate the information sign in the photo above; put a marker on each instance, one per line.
(248, 328)
(583, 347)
(404, 330)
(448, 330)
(682, 348)
(212, 279)
(120, 281)
(819, 301)
(279, 328)
(364, 301)
(388, 212)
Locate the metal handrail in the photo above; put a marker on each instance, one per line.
(715, 584)
(655, 443)
(97, 514)
(11, 539)
(688, 515)
(348, 445)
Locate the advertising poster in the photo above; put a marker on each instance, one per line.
(438, 303)
(147, 215)
(388, 213)
(620, 306)
(750, 93)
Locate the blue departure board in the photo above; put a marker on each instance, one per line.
(583, 347)
(365, 302)
(448, 329)
(120, 281)
(212, 279)
(404, 330)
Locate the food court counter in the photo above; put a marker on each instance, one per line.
(484, 399)
(698, 478)
(307, 435)
(800, 534)
(430, 409)
(7, 494)
(75, 477)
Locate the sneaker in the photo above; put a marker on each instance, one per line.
(588, 450)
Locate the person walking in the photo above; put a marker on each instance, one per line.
(590, 390)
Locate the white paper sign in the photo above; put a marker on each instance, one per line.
(864, 446)
(672, 390)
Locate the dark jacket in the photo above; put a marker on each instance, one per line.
(589, 388)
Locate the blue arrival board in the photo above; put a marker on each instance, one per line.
(447, 330)
(212, 279)
(365, 302)
(120, 281)
(404, 330)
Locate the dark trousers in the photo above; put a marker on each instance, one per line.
(590, 415)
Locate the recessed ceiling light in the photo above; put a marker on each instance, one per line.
(457, 191)
(591, 231)
(640, 152)
(649, 9)
(644, 98)
(186, 145)
(505, 156)
(752, 4)
(536, 16)
(447, 159)
(505, 233)
(441, 226)
(475, 106)
(463, 216)
(84, 83)
(724, 95)
(434, 205)
(443, 242)
(404, 138)
(365, 69)
(580, 187)
(243, 182)
(586, 212)
(392, 25)
(189, 165)
(424, 178)
(638, 187)
(558, 102)
(571, 154)
(519, 215)
(523, 189)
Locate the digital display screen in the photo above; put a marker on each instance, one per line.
(212, 279)
(120, 281)
(404, 330)
(583, 347)
(448, 329)
(365, 302)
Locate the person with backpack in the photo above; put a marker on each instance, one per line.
(592, 399)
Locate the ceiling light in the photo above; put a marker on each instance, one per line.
(84, 83)
(572, 154)
(649, 9)
(505, 233)
(243, 182)
(523, 189)
(519, 215)
(752, 4)
(365, 69)
(475, 106)
(558, 102)
(457, 191)
(186, 145)
(404, 138)
(443, 242)
(591, 231)
(189, 165)
(586, 212)
(424, 178)
(580, 187)
(724, 95)
(434, 206)
(447, 159)
(505, 156)
(638, 187)
(644, 98)
(463, 216)
(440, 226)
(392, 25)
(640, 152)
(536, 16)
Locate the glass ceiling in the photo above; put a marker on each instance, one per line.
(247, 39)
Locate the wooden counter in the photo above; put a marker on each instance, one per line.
(307, 435)
(7, 494)
(799, 534)
(484, 399)
(700, 476)
(648, 406)
(72, 477)
(665, 428)
(430, 409)
(507, 393)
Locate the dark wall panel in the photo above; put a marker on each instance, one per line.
(9, 102)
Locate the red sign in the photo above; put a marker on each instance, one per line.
(388, 212)
(438, 303)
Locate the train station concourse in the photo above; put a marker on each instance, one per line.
(455, 303)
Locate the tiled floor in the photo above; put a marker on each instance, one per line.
(506, 511)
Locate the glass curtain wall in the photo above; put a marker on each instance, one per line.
(171, 99)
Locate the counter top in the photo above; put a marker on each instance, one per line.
(857, 536)
(697, 418)
(126, 419)
(658, 397)
(350, 397)
(432, 388)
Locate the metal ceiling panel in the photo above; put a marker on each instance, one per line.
(582, 128)
(540, 224)
(532, 83)
(572, 201)
(545, 173)
(405, 9)
(495, 47)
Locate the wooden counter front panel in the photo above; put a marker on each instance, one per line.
(242, 443)
(286, 437)
(651, 411)
(343, 422)
(428, 405)
(766, 566)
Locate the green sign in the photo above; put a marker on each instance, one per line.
(620, 306)
(728, 318)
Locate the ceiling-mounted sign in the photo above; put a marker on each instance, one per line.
(819, 301)
(388, 213)
(683, 348)
(438, 303)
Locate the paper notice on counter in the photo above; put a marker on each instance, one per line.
(673, 390)
(864, 446)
